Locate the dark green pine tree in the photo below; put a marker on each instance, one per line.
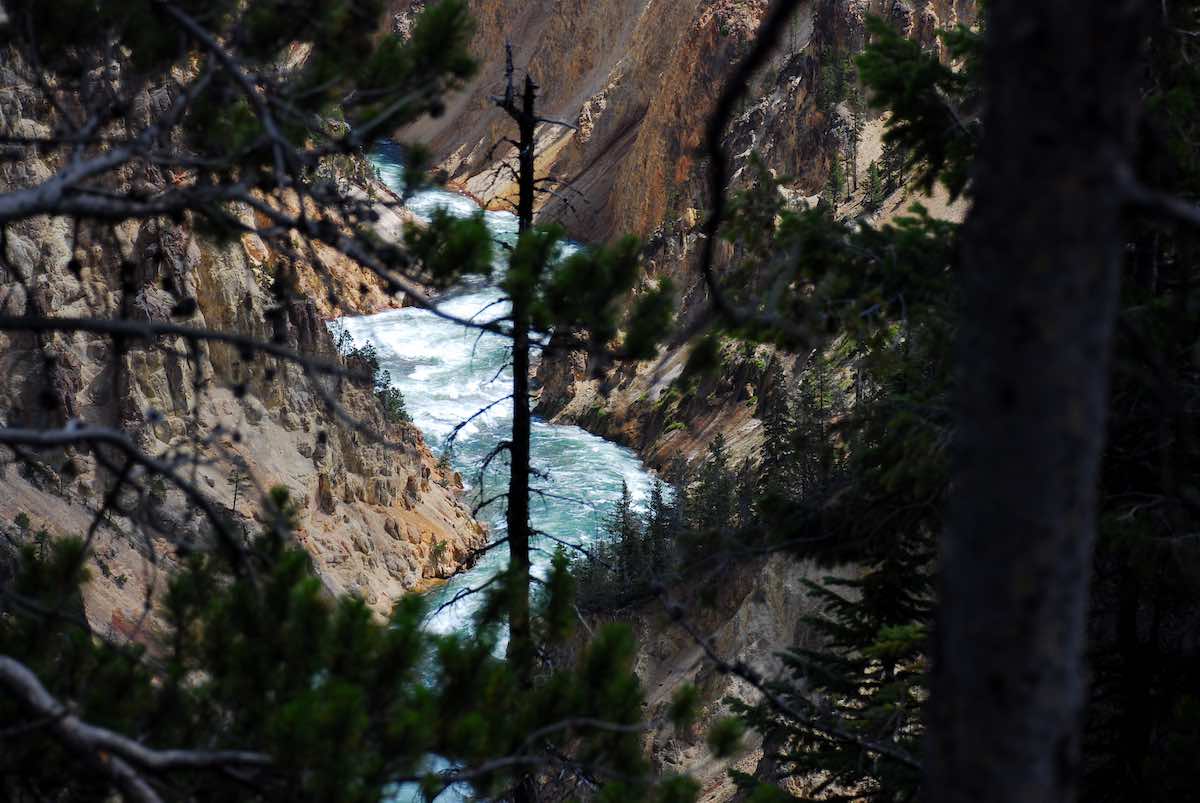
(271, 691)
(745, 480)
(778, 475)
(816, 401)
(662, 530)
(624, 532)
(710, 501)
(891, 169)
(710, 509)
(868, 682)
(875, 189)
(835, 185)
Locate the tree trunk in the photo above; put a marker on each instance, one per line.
(520, 644)
(1041, 253)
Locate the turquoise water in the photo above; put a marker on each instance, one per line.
(448, 372)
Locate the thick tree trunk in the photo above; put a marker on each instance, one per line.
(1041, 254)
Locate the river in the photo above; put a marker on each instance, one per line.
(448, 372)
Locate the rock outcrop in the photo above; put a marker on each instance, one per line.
(379, 518)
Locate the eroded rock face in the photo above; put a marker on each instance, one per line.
(638, 79)
(253, 422)
(633, 76)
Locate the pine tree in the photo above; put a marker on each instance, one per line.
(875, 190)
(814, 450)
(778, 476)
(835, 186)
(869, 680)
(855, 137)
(710, 510)
(314, 699)
(662, 530)
(746, 480)
(710, 498)
(547, 292)
(625, 533)
(892, 164)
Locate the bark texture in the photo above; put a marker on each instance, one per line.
(1041, 257)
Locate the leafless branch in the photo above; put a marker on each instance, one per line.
(123, 759)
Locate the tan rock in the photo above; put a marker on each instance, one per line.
(325, 498)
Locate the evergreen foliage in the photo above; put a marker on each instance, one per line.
(835, 187)
(779, 470)
(884, 507)
(930, 102)
(268, 106)
(853, 466)
(341, 706)
(836, 80)
(1144, 690)
(875, 189)
(697, 524)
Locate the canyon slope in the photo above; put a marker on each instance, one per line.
(636, 81)
(380, 518)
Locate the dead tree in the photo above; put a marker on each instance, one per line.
(522, 109)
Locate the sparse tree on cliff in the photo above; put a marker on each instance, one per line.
(874, 190)
(662, 527)
(835, 186)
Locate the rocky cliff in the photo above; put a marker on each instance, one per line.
(637, 81)
(379, 518)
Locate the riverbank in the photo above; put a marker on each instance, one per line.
(448, 373)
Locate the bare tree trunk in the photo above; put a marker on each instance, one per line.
(520, 645)
(1041, 253)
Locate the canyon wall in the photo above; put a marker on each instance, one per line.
(379, 518)
(637, 81)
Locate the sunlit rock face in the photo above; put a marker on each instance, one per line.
(378, 520)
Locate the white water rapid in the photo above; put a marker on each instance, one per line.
(448, 372)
